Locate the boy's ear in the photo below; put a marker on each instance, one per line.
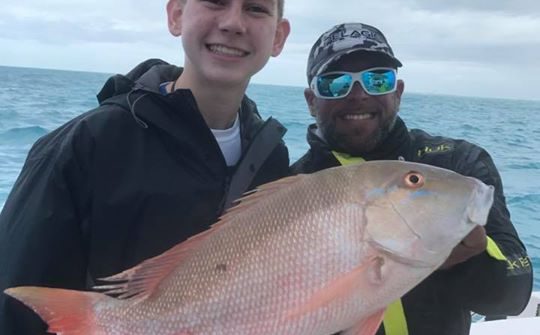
(282, 32)
(174, 17)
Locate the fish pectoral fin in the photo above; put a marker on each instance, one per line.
(368, 326)
(364, 275)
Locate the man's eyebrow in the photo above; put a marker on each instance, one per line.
(271, 2)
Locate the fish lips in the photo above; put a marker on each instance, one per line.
(480, 203)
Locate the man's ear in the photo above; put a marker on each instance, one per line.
(174, 16)
(399, 91)
(310, 100)
(282, 32)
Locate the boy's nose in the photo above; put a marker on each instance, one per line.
(233, 20)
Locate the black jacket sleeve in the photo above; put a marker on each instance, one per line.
(40, 227)
(485, 284)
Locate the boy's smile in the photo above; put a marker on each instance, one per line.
(224, 50)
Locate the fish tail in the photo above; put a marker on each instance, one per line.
(65, 311)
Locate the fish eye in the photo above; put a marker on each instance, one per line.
(414, 179)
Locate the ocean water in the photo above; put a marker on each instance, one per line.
(36, 101)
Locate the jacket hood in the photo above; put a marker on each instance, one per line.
(146, 76)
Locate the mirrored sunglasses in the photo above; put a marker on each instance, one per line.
(338, 84)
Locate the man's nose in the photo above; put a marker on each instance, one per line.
(233, 19)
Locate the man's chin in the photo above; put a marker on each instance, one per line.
(352, 143)
(355, 149)
(360, 143)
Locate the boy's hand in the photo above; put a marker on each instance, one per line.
(472, 245)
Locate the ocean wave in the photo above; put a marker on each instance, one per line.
(470, 128)
(524, 166)
(532, 243)
(22, 135)
(524, 199)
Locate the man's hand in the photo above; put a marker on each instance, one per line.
(472, 245)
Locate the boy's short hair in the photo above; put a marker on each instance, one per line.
(280, 5)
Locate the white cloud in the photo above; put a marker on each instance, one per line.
(471, 79)
(511, 7)
(485, 48)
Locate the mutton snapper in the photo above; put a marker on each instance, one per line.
(305, 255)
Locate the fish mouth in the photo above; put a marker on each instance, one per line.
(480, 203)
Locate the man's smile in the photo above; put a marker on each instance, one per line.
(358, 116)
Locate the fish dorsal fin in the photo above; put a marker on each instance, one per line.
(141, 280)
(252, 198)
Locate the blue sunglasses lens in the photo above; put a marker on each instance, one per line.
(334, 84)
(378, 81)
(374, 82)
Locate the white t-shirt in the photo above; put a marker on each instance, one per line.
(229, 142)
(228, 139)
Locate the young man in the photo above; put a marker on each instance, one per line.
(354, 96)
(160, 159)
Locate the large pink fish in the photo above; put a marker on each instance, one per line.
(306, 255)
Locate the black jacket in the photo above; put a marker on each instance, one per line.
(441, 304)
(117, 185)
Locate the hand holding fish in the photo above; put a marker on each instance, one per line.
(473, 244)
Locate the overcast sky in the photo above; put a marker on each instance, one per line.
(487, 48)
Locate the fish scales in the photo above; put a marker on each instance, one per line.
(262, 261)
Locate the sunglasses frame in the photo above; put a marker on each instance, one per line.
(356, 77)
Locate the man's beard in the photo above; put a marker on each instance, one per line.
(341, 143)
